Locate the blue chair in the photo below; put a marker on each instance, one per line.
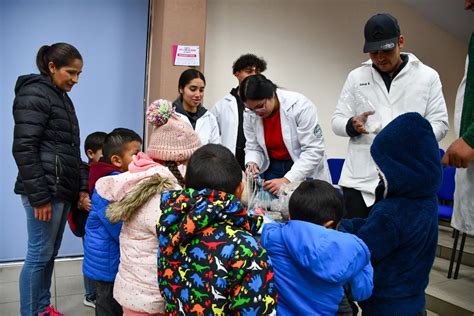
(445, 212)
(446, 195)
(335, 168)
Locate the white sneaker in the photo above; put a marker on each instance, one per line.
(89, 302)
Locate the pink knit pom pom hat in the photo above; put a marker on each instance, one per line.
(172, 138)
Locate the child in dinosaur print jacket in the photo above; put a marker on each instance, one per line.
(209, 262)
(136, 199)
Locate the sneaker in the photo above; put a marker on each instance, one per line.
(50, 311)
(89, 302)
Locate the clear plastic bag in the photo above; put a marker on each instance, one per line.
(257, 197)
(373, 124)
(280, 205)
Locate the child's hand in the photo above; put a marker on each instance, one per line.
(252, 168)
(274, 185)
(84, 201)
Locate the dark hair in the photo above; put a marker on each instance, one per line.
(94, 141)
(256, 87)
(249, 60)
(213, 167)
(173, 167)
(60, 54)
(115, 141)
(187, 76)
(317, 202)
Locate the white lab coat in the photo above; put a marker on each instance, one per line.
(463, 214)
(206, 128)
(417, 88)
(227, 115)
(302, 136)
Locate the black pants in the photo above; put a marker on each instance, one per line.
(240, 156)
(105, 304)
(355, 204)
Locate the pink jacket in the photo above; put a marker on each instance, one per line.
(138, 196)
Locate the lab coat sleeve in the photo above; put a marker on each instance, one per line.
(311, 140)
(217, 112)
(253, 151)
(215, 135)
(436, 112)
(345, 109)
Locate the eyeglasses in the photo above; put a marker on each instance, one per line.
(257, 108)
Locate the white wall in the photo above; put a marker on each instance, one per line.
(311, 46)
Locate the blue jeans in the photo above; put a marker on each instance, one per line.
(277, 169)
(44, 240)
(89, 286)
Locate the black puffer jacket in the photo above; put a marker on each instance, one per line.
(46, 143)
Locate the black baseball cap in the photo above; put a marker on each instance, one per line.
(381, 32)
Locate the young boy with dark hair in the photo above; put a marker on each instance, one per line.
(79, 213)
(77, 217)
(401, 230)
(229, 111)
(101, 244)
(93, 149)
(93, 146)
(311, 259)
(209, 262)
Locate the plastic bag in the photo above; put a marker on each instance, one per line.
(373, 124)
(280, 205)
(257, 197)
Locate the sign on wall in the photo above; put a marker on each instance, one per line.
(185, 55)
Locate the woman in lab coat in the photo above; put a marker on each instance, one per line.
(284, 139)
(189, 106)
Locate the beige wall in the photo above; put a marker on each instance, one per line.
(173, 22)
(311, 46)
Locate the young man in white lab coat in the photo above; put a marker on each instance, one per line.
(389, 84)
(229, 110)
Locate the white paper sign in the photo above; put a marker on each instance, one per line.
(185, 55)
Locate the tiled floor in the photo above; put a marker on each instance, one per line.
(456, 292)
(445, 239)
(67, 289)
(445, 244)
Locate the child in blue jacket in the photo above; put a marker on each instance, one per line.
(401, 230)
(311, 259)
(101, 242)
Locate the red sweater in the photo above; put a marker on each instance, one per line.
(98, 170)
(274, 138)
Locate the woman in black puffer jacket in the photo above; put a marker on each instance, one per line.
(46, 148)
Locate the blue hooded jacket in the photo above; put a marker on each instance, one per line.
(311, 265)
(402, 229)
(101, 242)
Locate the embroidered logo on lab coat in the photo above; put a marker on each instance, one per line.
(318, 132)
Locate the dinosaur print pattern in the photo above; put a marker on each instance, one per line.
(209, 263)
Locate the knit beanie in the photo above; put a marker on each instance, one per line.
(172, 138)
